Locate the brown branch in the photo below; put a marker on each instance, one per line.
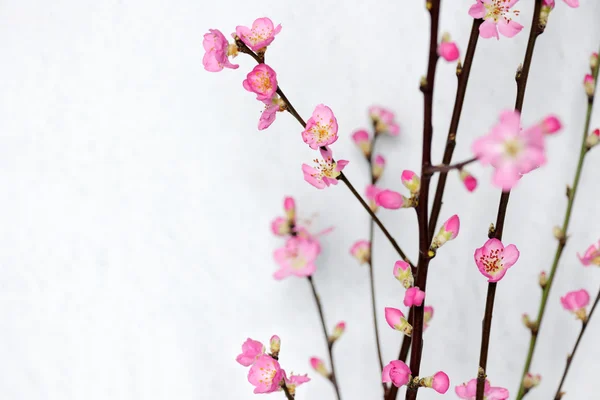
(286, 390)
(448, 168)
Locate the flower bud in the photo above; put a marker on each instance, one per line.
(289, 205)
(589, 85)
(447, 232)
(593, 139)
(530, 381)
(363, 141)
(275, 346)
(403, 273)
(543, 279)
(391, 200)
(427, 315)
(529, 324)
(576, 302)
(361, 251)
(413, 297)
(378, 165)
(396, 320)
(594, 61)
(338, 330)
(468, 180)
(439, 382)
(551, 124)
(280, 226)
(558, 233)
(411, 181)
(447, 49)
(318, 365)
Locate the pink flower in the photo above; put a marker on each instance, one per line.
(318, 365)
(371, 193)
(396, 372)
(383, 120)
(280, 226)
(468, 180)
(390, 200)
(326, 172)
(260, 35)
(296, 258)
(338, 331)
(427, 315)
(395, 319)
(403, 273)
(294, 381)
(267, 117)
(265, 375)
(468, 391)
(362, 139)
(439, 382)
(448, 231)
(217, 51)
(321, 128)
(510, 150)
(551, 124)
(591, 256)
(570, 3)
(251, 350)
(447, 49)
(589, 84)
(576, 302)
(378, 165)
(361, 250)
(497, 18)
(493, 259)
(413, 297)
(262, 80)
(411, 181)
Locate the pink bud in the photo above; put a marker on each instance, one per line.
(593, 61)
(530, 381)
(275, 345)
(427, 315)
(395, 319)
(576, 301)
(318, 365)
(289, 205)
(448, 49)
(551, 124)
(403, 273)
(396, 372)
(280, 226)
(447, 232)
(362, 139)
(371, 193)
(338, 330)
(378, 165)
(411, 181)
(414, 297)
(441, 382)
(593, 139)
(591, 255)
(361, 251)
(589, 85)
(390, 199)
(543, 279)
(468, 180)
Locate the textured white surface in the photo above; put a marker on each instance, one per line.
(135, 247)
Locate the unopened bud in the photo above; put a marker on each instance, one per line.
(378, 165)
(544, 14)
(362, 139)
(403, 273)
(558, 233)
(593, 139)
(543, 279)
(447, 232)
(423, 82)
(594, 61)
(411, 181)
(275, 346)
(589, 85)
(338, 330)
(459, 68)
(289, 205)
(361, 250)
(318, 365)
(468, 180)
(530, 381)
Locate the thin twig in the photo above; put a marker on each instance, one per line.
(584, 325)
(332, 376)
(571, 192)
(521, 79)
(447, 168)
(286, 390)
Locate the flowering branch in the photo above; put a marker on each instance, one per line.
(332, 377)
(584, 324)
(537, 28)
(562, 240)
(447, 168)
(427, 85)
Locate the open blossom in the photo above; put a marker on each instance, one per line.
(497, 16)
(570, 3)
(447, 49)
(321, 128)
(251, 350)
(493, 259)
(576, 302)
(448, 231)
(371, 193)
(396, 372)
(427, 315)
(262, 80)
(411, 181)
(217, 51)
(468, 180)
(403, 273)
(378, 165)
(439, 382)
(265, 375)
(362, 139)
(391, 200)
(326, 172)
(591, 256)
(297, 257)
(272, 106)
(294, 381)
(512, 151)
(361, 250)
(468, 391)
(395, 319)
(383, 120)
(260, 35)
(413, 297)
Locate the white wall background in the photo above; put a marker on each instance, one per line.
(135, 252)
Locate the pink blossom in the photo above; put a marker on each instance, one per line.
(591, 256)
(510, 150)
(378, 166)
(468, 391)
(318, 365)
(297, 257)
(361, 250)
(448, 231)
(260, 35)
(395, 319)
(396, 372)
(576, 301)
(493, 259)
(551, 124)
(371, 193)
(294, 381)
(262, 80)
(414, 297)
(265, 375)
(280, 226)
(251, 350)
(217, 51)
(321, 128)
(468, 180)
(390, 200)
(570, 3)
(411, 181)
(439, 382)
(362, 139)
(338, 330)
(497, 16)
(403, 273)
(589, 84)
(272, 106)
(326, 172)
(447, 49)
(427, 315)
(383, 120)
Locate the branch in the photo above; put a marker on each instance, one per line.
(286, 390)
(447, 168)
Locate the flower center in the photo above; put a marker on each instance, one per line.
(512, 147)
(267, 376)
(498, 9)
(258, 35)
(263, 82)
(492, 262)
(326, 168)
